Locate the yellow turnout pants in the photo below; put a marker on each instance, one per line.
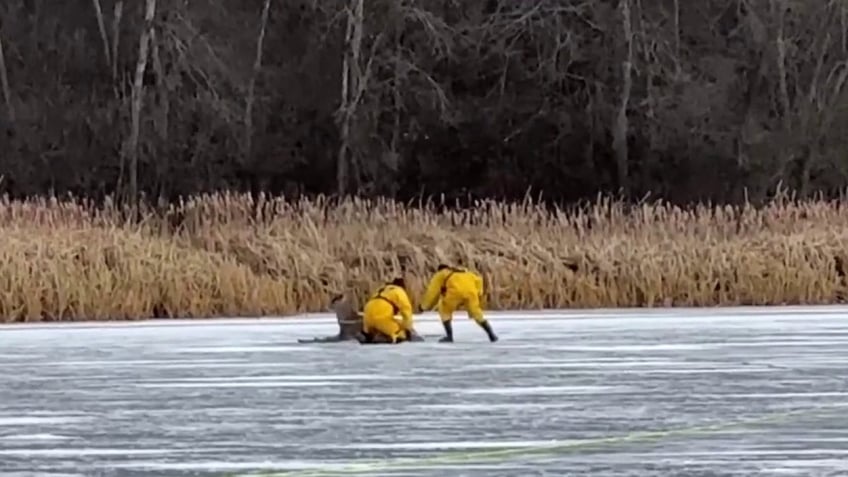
(379, 316)
(452, 301)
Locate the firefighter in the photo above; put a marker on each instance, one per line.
(456, 288)
(380, 310)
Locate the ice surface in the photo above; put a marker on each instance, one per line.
(600, 393)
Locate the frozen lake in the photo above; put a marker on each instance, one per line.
(603, 393)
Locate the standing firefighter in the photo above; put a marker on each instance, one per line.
(381, 308)
(457, 287)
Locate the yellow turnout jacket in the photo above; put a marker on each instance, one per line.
(399, 300)
(454, 281)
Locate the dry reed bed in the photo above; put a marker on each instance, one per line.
(230, 255)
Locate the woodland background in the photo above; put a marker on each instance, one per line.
(721, 100)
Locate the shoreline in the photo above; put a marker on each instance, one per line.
(680, 313)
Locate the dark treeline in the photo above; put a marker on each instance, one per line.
(710, 100)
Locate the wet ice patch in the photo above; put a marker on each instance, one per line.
(141, 363)
(34, 437)
(609, 348)
(800, 341)
(41, 473)
(36, 420)
(242, 384)
(20, 356)
(703, 370)
(536, 390)
(221, 465)
(489, 407)
(235, 365)
(83, 452)
(750, 452)
(780, 394)
(452, 445)
(243, 349)
(588, 363)
(277, 381)
(279, 377)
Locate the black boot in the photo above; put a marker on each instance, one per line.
(488, 329)
(448, 338)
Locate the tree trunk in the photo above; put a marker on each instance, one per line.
(351, 76)
(251, 89)
(138, 99)
(620, 125)
(4, 81)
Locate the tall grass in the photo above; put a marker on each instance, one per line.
(232, 255)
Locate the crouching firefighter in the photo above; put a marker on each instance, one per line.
(378, 316)
(455, 288)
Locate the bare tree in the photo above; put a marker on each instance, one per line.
(137, 99)
(809, 108)
(4, 79)
(819, 110)
(251, 89)
(620, 126)
(101, 26)
(488, 95)
(351, 86)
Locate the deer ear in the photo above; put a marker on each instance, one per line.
(336, 299)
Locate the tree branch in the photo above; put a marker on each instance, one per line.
(677, 32)
(116, 31)
(101, 26)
